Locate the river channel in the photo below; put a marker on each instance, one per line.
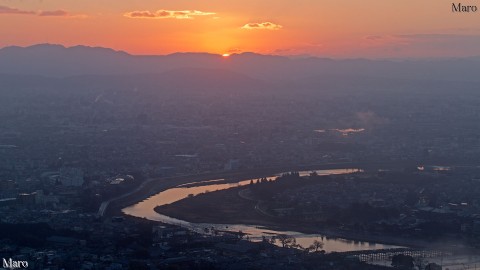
(145, 209)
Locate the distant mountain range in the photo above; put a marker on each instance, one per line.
(59, 61)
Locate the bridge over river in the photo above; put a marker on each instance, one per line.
(387, 254)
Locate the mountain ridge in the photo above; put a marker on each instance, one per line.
(53, 60)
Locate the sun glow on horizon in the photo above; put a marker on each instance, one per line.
(216, 27)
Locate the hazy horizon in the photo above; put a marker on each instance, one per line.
(367, 29)
(289, 56)
(179, 134)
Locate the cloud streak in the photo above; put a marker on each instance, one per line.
(47, 13)
(167, 14)
(420, 45)
(54, 13)
(262, 26)
(9, 10)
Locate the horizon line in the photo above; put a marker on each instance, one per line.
(292, 56)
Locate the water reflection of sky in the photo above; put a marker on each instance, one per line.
(146, 209)
(345, 131)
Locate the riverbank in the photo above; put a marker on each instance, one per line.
(220, 207)
(156, 185)
(227, 207)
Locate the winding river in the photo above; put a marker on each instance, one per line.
(145, 209)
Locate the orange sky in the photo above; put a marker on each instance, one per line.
(331, 28)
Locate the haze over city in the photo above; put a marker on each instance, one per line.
(239, 134)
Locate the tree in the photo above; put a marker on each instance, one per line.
(316, 245)
(419, 263)
(402, 261)
(273, 239)
(286, 240)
